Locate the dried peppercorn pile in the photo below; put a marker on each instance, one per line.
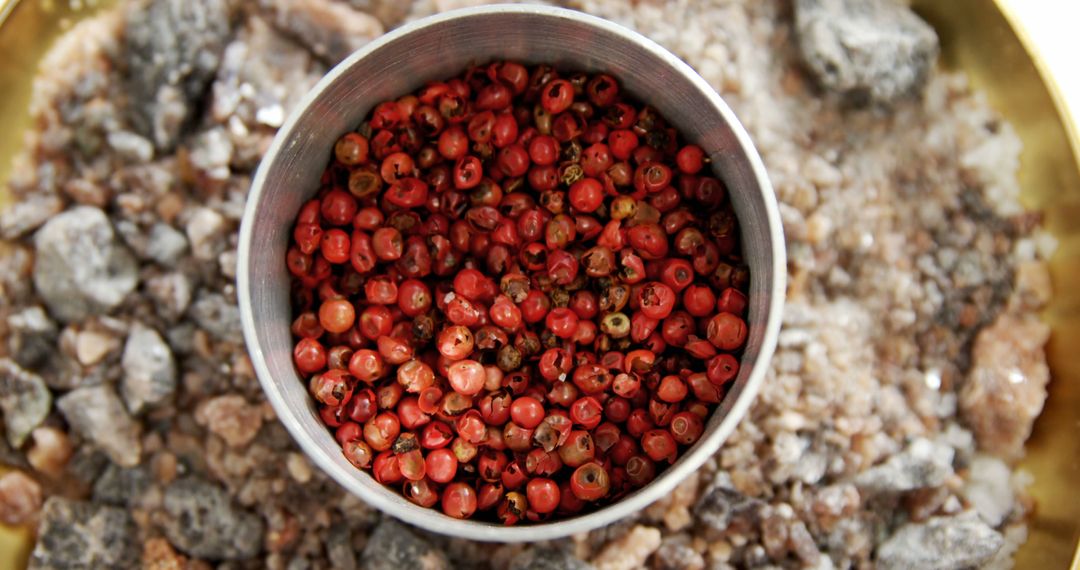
(517, 293)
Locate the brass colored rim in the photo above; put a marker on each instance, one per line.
(1061, 105)
(6, 6)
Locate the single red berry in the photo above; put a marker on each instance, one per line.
(421, 492)
(687, 427)
(586, 412)
(459, 500)
(726, 331)
(386, 469)
(671, 389)
(586, 195)
(590, 482)
(337, 316)
(659, 445)
(557, 96)
(698, 300)
(732, 301)
(690, 159)
(309, 356)
(466, 377)
(562, 322)
(335, 246)
(722, 368)
(442, 465)
(543, 495)
(527, 412)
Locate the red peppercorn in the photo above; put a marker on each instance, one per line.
(562, 322)
(381, 431)
(617, 409)
(726, 331)
(527, 412)
(656, 300)
(459, 500)
(687, 427)
(659, 445)
(640, 470)
(586, 412)
(455, 342)
(410, 415)
(578, 449)
(535, 306)
(690, 159)
(466, 377)
(586, 195)
(517, 438)
(488, 496)
(515, 475)
(732, 301)
(420, 492)
(358, 453)
(309, 356)
(436, 435)
(590, 482)
(334, 246)
(622, 143)
(543, 150)
(386, 469)
(543, 495)
(338, 208)
(722, 368)
(557, 96)
(698, 300)
(337, 316)
(672, 389)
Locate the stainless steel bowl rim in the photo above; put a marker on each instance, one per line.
(431, 519)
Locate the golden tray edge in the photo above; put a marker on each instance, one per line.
(982, 37)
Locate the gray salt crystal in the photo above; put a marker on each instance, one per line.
(548, 558)
(330, 30)
(173, 50)
(149, 369)
(219, 317)
(27, 214)
(923, 463)
(339, 548)
(389, 12)
(720, 504)
(31, 335)
(989, 488)
(203, 522)
(676, 554)
(867, 49)
(211, 152)
(392, 546)
(130, 146)
(121, 486)
(96, 413)
(940, 543)
(75, 534)
(24, 399)
(206, 232)
(171, 292)
(165, 244)
(80, 268)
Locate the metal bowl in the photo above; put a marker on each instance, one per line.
(439, 47)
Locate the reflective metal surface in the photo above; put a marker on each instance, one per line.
(437, 48)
